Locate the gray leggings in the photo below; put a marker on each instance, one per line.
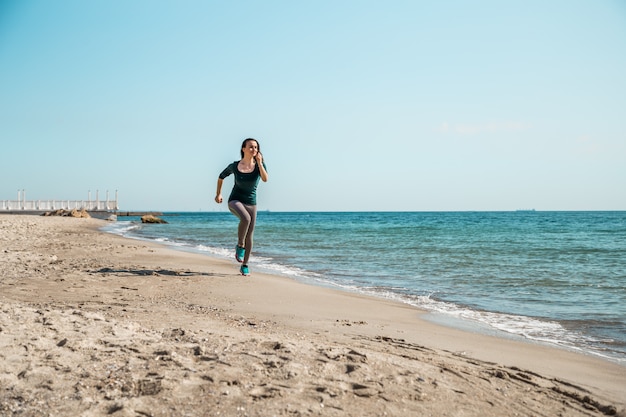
(247, 219)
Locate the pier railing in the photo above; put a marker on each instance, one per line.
(46, 205)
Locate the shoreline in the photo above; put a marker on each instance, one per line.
(175, 318)
(444, 313)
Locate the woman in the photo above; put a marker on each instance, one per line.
(242, 200)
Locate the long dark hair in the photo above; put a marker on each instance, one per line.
(245, 142)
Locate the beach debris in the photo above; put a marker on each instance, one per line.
(150, 218)
(149, 386)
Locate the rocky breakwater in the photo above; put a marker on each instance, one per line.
(149, 218)
(69, 213)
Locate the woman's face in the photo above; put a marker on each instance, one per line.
(251, 148)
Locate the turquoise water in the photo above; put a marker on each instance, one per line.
(553, 277)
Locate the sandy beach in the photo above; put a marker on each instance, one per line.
(93, 324)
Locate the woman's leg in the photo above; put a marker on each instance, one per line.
(247, 220)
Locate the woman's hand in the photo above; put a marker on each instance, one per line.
(218, 191)
(259, 163)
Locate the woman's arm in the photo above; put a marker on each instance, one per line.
(218, 193)
(262, 171)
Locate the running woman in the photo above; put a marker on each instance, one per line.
(242, 200)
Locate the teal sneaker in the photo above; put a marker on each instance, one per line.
(244, 270)
(239, 253)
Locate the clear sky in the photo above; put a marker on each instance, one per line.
(358, 105)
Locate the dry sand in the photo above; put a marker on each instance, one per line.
(93, 324)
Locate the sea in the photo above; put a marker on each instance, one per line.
(556, 278)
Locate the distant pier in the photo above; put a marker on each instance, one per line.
(21, 204)
(101, 209)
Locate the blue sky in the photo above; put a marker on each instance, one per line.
(357, 105)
